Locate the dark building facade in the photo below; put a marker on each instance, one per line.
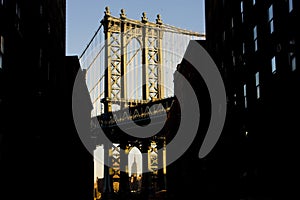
(41, 154)
(188, 177)
(255, 46)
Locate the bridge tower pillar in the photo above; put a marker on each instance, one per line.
(119, 32)
(153, 87)
(115, 59)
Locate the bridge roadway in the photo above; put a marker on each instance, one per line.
(137, 112)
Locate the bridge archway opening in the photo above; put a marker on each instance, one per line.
(134, 69)
(135, 169)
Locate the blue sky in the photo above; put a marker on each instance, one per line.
(83, 16)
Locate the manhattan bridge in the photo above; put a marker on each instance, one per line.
(129, 69)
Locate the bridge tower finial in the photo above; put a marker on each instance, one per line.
(107, 11)
(123, 14)
(144, 17)
(158, 20)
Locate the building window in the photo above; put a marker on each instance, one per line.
(292, 60)
(245, 96)
(222, 64)
(270, 19)
(48, 28)
(18, 10)
(242, 11)
(41, 10)
(41, 58)
(292, 55)
(232, 22)
(1, 44)
(257, 84)
(273, 64)
(291, 5)
(1, 61)
(255, 38)
(234, 99)
(1, 51)
(233, 58)
(224, 35)
(243, 48)
(18, 14)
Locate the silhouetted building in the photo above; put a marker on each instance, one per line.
(190, 176)
(255, 46)
(39, 146)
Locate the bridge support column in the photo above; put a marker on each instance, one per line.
(123, 59)
(108, 83)
(145, 73)
(107, 187)
(160, 69)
